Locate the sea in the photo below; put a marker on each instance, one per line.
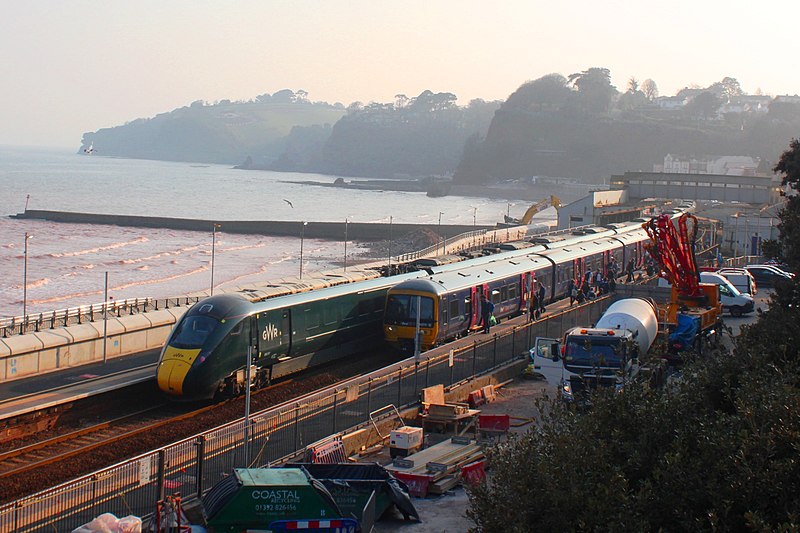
(67, 264)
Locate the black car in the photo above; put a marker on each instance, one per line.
(766, 276)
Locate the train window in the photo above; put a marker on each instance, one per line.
(312, 318)
(454, 309)
(346, 311)
(495, 296)
(504, 293)
(237, 329)
(377, 305)
(364, 307)
(329, 314)
(193, 331)
(401, 310)
(513, 293)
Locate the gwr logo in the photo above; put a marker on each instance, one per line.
(270, 332)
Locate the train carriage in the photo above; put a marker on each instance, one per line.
(448, 303)
(207, 350)
(292, 326)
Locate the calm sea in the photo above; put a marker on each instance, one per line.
(67, 263)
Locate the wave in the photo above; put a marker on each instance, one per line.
(158, 255)
(113, 246)
(32, 284)
(244, 247)
(119, 287)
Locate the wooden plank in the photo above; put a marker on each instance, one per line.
(434, 394)
(446, 452)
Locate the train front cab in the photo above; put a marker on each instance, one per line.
(400, 318)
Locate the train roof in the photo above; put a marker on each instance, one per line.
(469, 277)
(240, 303)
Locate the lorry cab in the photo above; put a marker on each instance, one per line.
(584, 360)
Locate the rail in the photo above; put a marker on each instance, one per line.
(30, 323)
(193, 465)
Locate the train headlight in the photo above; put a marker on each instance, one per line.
(389, 329)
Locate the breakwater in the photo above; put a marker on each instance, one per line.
(367, 231)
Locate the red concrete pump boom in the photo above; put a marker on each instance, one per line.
(673, 250)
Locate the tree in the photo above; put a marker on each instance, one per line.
(704, 105)
(789, 227)
(714, 451)
(633, 84)
(650, 89)
(595, 91)
(549, 91)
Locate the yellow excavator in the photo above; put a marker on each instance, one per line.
(532, 210)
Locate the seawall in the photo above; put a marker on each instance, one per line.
(367, 231)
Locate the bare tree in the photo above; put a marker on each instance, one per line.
(650, 89)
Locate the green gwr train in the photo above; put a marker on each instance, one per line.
(206, 353)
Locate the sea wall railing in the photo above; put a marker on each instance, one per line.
(193, 465)
(20, 325)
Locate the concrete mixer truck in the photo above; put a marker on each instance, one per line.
(606, 354)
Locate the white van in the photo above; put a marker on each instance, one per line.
(733, 301)
(741, 279)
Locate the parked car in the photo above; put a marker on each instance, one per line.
(741, 279)
(767, 275)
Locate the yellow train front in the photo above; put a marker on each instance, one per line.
(440, 314)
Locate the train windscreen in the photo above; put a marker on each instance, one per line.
(401, 310)
(193, 331)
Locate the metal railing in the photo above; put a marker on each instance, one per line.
(193, 465)
(20, 325)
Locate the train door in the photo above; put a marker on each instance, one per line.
(578, 269)
(475, 306)
(274, 334)
(527, 287)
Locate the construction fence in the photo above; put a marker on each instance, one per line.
(194, 465)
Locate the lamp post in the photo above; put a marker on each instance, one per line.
(345, 245)
(440, 230)
(25, 280)
(390, 245)
(302, 234)
(105, 318)
(474, 225)
(213, 253)
(508, 218)
(27, 198)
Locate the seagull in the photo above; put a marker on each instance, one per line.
(288, 202)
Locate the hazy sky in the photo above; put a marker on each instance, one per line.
(76, 66)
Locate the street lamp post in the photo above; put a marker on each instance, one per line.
(345, 245)
(508, 218)
(213, 253)
(390, 245)
(25, 280)
(105, 318)
(302, 234)
(440, 230)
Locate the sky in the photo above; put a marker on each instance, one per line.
(78, 66)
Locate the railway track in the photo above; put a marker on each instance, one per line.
(84, 440)
(42, 464)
